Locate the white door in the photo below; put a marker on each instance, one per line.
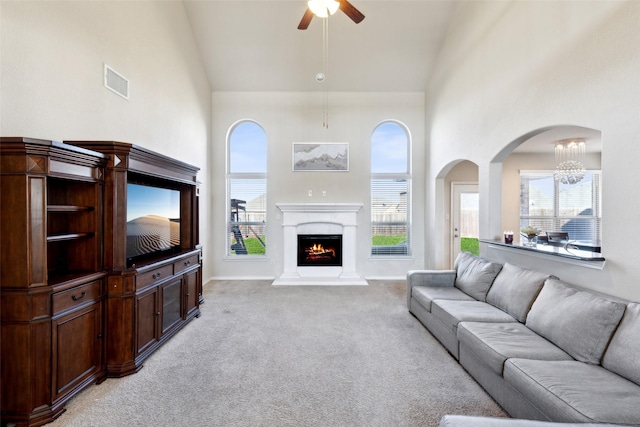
(464, 223)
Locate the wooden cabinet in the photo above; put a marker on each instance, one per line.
(146, 320)
(77, 336)
(192, 282)
(74, 309)
(166, 298)
(52, 276)
(150, 299)
(160, 310)
(171, 297)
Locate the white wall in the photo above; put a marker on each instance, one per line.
(297, 117)
(51, 81)
(509, 68)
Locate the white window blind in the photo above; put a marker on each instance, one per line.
(390, 201)
(390, 190)
(247, 190)
(550, 205)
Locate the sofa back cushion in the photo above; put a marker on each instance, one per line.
(621, 356)
(462, 262)
(476, 279)
(579, 322)
(515, 289)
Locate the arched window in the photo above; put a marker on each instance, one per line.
(390, 190)
(246, 189)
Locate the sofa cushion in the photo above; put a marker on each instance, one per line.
(514, 290)
(450, 313)
(494, 343)
(462, 262)
(425, 294)
(573, 391)
(477, 278)
(429, 278)
(623, 354)
(579, 322)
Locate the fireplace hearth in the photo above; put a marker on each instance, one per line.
(319, 250)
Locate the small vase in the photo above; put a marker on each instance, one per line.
(530, 243)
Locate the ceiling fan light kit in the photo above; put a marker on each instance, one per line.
(324, 8)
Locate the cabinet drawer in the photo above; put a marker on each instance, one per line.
(183, 264)
(149, 277)
(76, 296)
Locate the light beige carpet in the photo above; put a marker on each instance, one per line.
(264, 355)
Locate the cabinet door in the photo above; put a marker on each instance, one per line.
(171, 304)
(191, 289)
(147, 315)
(77, 348)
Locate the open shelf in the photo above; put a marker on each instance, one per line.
(69, 208)
(69, 236)
(74, 226)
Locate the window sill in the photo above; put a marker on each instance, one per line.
(570, 256)
(392, 257)
(234, 258)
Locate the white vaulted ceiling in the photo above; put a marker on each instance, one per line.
(254, 45)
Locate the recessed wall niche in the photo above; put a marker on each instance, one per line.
(533, 153)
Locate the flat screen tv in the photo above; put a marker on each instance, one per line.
(153, 221)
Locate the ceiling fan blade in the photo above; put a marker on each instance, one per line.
(350, 10)
(306, 20)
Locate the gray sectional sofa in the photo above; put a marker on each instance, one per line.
(542, 348)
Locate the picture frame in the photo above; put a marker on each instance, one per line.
(320, 157)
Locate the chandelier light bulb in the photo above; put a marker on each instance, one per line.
(570, 157)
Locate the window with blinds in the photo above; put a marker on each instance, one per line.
(390, 191)
(552, 206)
(246, 190)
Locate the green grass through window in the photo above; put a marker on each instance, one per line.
(470, 244)
(388, 240)
(253, 245)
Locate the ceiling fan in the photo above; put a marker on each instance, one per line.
(324, 8)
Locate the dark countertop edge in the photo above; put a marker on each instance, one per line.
(556, 252)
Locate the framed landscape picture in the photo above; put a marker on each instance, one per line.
(320, 156)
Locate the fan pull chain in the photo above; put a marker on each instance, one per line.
(325, 66)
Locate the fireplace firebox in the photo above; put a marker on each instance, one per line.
(319, 250)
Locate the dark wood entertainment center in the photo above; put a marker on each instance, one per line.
(73, 310)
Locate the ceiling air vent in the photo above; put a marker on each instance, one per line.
(115, 82)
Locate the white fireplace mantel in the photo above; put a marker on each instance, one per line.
(319, 218)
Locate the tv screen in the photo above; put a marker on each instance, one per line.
(153, 220)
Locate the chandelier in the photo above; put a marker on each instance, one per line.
(569, 157)
(323, 8)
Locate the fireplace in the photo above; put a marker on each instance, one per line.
(321, 220)
(319, 250)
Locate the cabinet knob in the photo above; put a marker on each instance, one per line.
(187, 263)
(157, 313)
(156, 275)
(76, 298)
(99, 336)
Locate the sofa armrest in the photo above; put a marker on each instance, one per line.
(476, 421)
(435, 278)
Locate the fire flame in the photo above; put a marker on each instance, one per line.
(318, 249)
